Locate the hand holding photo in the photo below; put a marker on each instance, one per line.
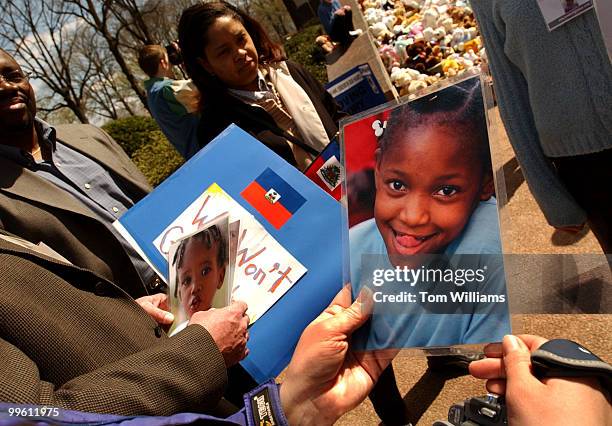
(260, 269)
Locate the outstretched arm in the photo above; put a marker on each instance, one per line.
(182, 373)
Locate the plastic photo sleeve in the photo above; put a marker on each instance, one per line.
(424, 227)
(200, 272)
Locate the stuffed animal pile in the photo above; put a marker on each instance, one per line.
(423, 41)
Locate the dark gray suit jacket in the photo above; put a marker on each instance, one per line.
(73, 339)
(37, 210)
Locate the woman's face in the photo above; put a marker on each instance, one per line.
(230, 54)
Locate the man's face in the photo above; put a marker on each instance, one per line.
(17, 101)
(200, 276)
(426, 189)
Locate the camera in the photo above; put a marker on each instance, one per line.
(489, 410)
(174, 53)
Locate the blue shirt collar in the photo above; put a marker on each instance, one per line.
(257, 94)
(46, 136)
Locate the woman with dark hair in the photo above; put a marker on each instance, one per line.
(246, 81)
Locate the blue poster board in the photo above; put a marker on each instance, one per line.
(313, 235)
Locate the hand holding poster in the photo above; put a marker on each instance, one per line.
(286, 237)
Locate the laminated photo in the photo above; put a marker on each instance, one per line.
(424, 226)
(199, 271)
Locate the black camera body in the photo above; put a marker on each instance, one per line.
(555, 358)
(489, 410)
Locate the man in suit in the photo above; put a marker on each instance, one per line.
(72, 339)
(66, 185)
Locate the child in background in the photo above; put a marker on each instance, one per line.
(201, 263)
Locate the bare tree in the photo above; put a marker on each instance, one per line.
(164, 22)
(39, 34)
(272, 14)
(120, 24)
(109, 94)
(84, 51)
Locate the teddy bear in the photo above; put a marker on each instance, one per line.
(389, 21)
(399, 11)
(450, 66)
(389, 57)
(434, 57)
(401, 77)
(381, 32)
(416, 55)
(445, 22)
(473, 45)
(457, 14)
(373, 16)
(439, 33)
(401, 43)
(471, 56)
(428, 34)
(430, 17)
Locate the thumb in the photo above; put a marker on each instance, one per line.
(353, 317)
(160, 316)
(517, 363)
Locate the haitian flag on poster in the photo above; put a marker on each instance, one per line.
(327, 171)
(313, 235)
(273, 198)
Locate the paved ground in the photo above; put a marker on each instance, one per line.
(583, 287)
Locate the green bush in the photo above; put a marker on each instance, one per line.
(132, 132)
(301, 48)
(157, 159)
(146, 145)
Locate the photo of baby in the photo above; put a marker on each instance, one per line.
(433, 194)
(200, 272)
